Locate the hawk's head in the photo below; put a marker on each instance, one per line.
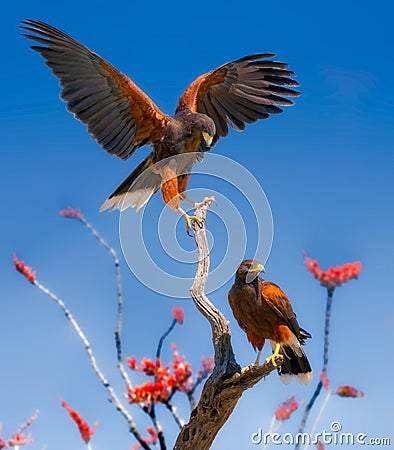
(248, 271)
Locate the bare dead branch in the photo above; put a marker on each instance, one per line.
(228, 381)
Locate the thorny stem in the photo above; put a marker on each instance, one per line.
(167, 403)
(118, 331)
(322, 408)
(330, 292)
(270, 431)
(309, 406)
(156, 424)
(193, 389)
(190, 393)
(160, 344)
(114, 398)
(173, 412)
(192, 400)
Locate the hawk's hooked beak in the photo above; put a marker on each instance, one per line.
(257, 269)
(207, 138)
(254, 272)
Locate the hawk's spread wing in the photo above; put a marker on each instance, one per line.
(240, 92)
(118, 114)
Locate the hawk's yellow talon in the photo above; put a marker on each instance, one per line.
(246, 369)
(274, 355)
(189, 220)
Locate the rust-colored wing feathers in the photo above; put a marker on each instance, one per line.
(277, 300)
(119, 115)
(240, 92)
(146, 114)
(200, 86)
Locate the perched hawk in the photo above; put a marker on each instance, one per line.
(263, 311)
(122, 118)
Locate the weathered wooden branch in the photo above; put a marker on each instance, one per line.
(228, 381)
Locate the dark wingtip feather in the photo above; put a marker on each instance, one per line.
(282, 81)
(255, 57)
(304, 335)
(31, 25)
(24, 22)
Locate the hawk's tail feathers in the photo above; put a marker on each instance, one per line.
(136, 189)
(295, 363)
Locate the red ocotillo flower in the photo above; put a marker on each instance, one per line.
(19, 439)
(72, 213)
(168, 379)
(132, 362)
(152, 439)
(181, 372)
(26, 271)
(84, 429)
(149, 392)
(28, 422)
(286, 409)
(334, 276)
(178, 314)
(207, 366)
(326, 381)
(349, 391)
(3, 443)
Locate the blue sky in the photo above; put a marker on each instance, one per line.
(325, 164)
